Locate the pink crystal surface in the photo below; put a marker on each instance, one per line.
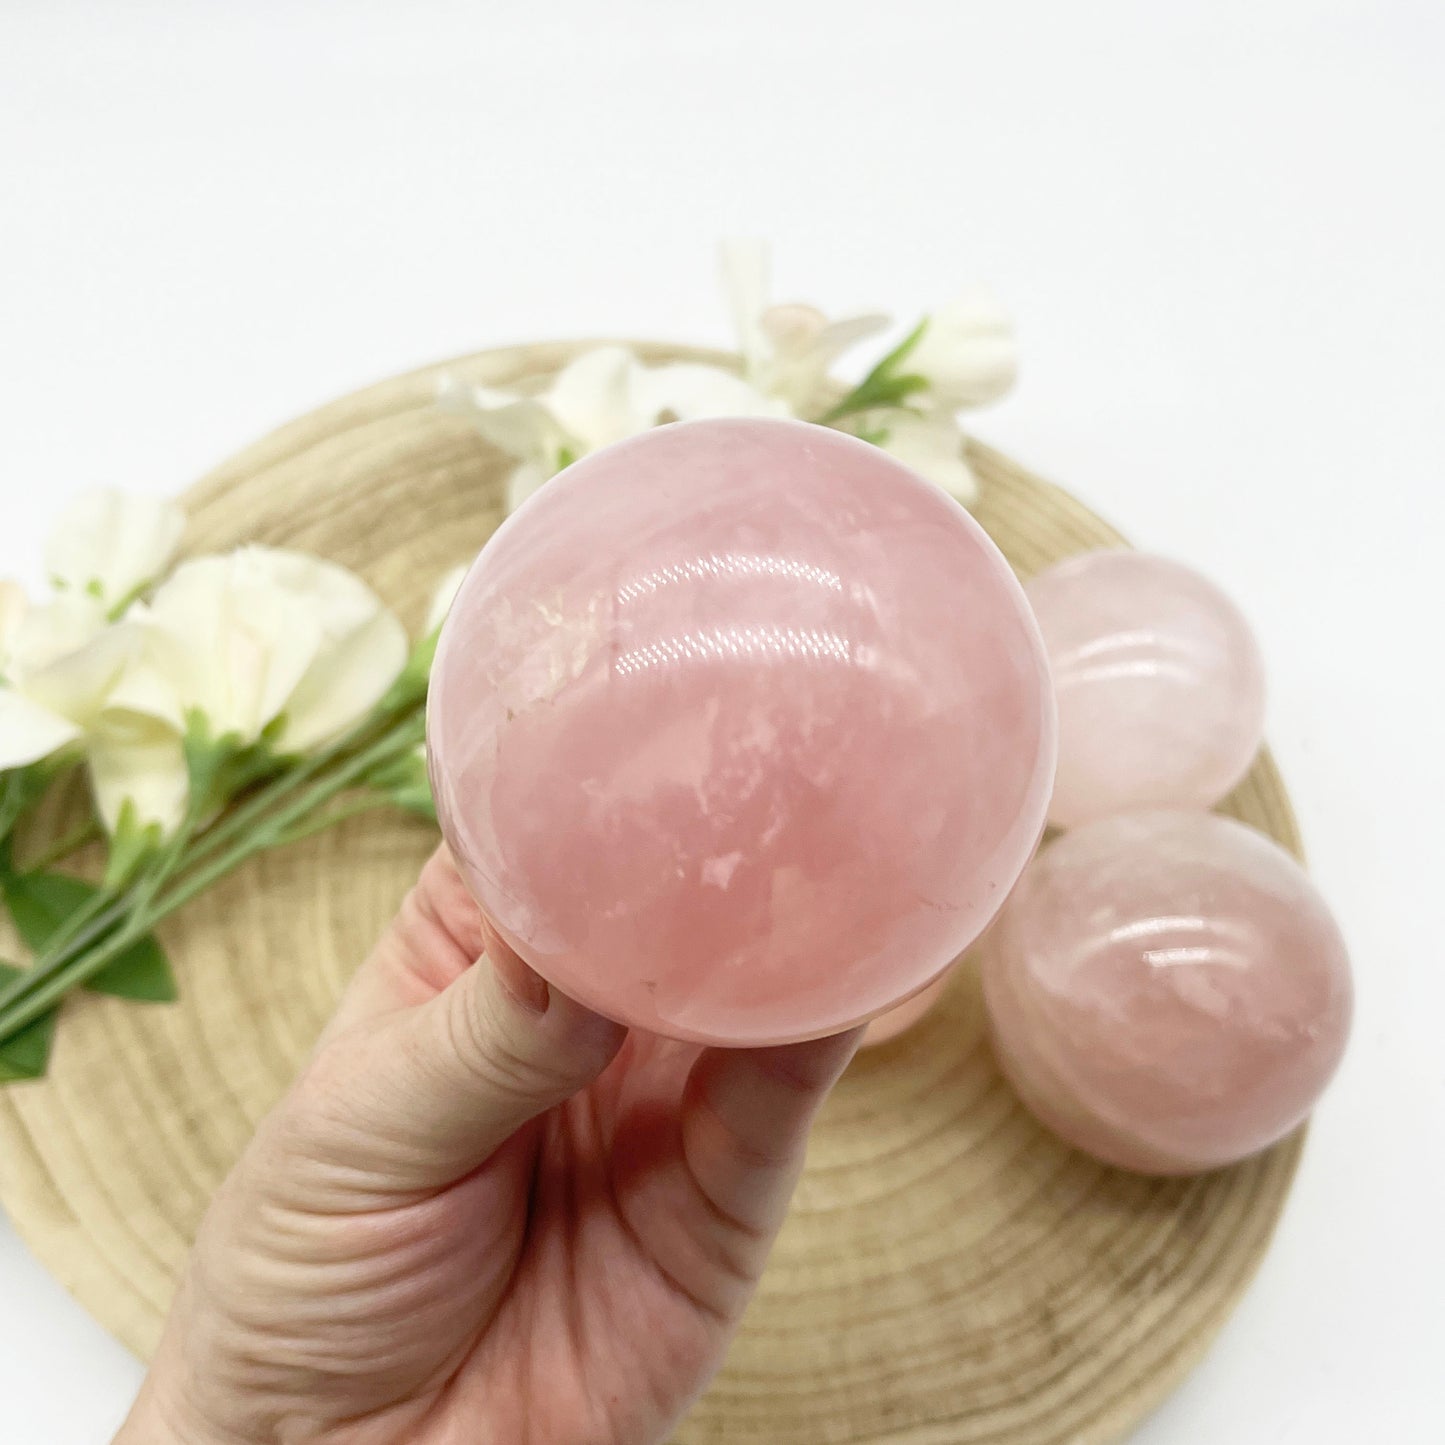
(1167, 990)
(740, 731)
(1159, 682)
(897, 1021)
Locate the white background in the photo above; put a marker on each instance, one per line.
(1221, 227)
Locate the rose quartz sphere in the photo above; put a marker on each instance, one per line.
(1159, 682)
(887, 1027)
(740, 731)
(1167, 991)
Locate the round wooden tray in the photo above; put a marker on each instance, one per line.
(949, 1273)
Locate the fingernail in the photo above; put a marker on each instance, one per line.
(518, 979)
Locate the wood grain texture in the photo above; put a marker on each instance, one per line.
(949, 1274)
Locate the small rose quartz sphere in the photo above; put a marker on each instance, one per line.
(1159, 682)
(740, 732)
(1167, 991)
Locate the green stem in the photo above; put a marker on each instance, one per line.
(94, 930)
(169, 858)
(85, 926)
(88, 925)
(63, 944)
(77, 938)
(58, 981)
(399, 740)
(66, 973)
(236, 822)
(72, 925)
(867, 396)
(329, 820)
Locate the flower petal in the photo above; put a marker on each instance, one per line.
(344, 682)
(792, 327)
(838, 336)
(55, 630)
(109, 544)
(523, 481)
(687, 390)
(232, 638)
(968, 351)
(595, 398)
(30, 732)
(521, 426)
(147, 687)
(136, 758)
(68, 658)
(932, 446)
(442, 599)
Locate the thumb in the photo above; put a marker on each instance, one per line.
(429, 1093)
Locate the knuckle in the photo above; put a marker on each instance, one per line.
(497, 1055)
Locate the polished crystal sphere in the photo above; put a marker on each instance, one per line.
(740, 731)
(1167, 991)
(1159, 682)
(897, 1021)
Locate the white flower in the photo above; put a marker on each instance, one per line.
(30, 732)
(968, 351)
(691, 390)
(61, 663)
(110, 544)
(521, 426)
(263, 641)
(931, 444)
(442, 599)
(786, 349)
(598, 398)
(65, 662)
(137, 759)
(590, 403)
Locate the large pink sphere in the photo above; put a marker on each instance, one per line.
(897, 1021)
(1159, 682)
(1167, 991)
(740, 732)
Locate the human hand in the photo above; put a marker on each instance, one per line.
(482, 1213)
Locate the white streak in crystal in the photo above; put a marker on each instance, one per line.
(764, 642)
(727, 565)
(1163, 923)
(1164, 957)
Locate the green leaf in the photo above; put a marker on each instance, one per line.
(40, 902)
(885, 386)
(131, 844)
(19, 788)
(25, 1055)
(142, 972)
(217, 768)
(902, 351)
(206, 756)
